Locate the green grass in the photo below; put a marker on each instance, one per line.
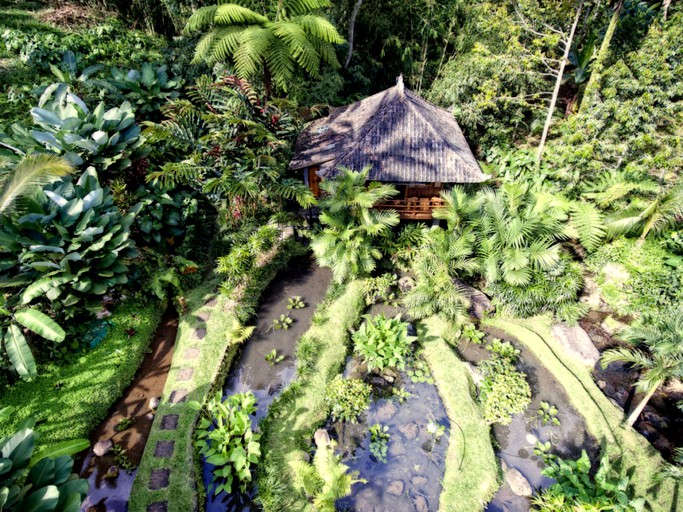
(71, 400)
(293, 418)
(471, 476)
(604, 420)
(218, 350)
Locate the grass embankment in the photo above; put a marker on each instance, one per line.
(216, 353)
(604, 420)
(294, 417)
(471, 476)
(71, 400)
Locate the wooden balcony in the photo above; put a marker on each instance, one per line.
(413, 208)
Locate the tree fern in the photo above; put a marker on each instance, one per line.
(274, 47)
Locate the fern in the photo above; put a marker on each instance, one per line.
(589, 223)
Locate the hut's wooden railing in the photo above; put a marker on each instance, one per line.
(415, 208)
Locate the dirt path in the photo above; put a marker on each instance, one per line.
(112, 495)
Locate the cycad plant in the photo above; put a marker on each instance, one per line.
(352, 230)
(657, 353)
(271, 44)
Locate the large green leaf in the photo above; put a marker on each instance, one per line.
(71, 447)
(19, 352)
(42, 286)
(42, 473)
(42, 500)
(40, 323)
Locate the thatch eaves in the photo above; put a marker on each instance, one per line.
(403, 137)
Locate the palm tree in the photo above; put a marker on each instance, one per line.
(256, 43)
(444, 256)
(348, 243)
(661, 214)
(458, 208)
(27, 175)
(517, 230)
(663, 359)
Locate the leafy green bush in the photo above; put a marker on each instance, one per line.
(634, 278)
(379, 289)
(225, 438)
(147, 89)
(555, 290)
(503, 391)
(63, 124)
(578, 489)
(70, 250)
(165, 213)
(383, 342)
(346, 399)
(40, 481)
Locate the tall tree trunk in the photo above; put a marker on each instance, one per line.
(593, 87)
(639, 409)
(665, 8)
(352, 29)
(560, 72)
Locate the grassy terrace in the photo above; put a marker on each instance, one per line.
(604, 421)
(471, 477)
(71, 400)
(207, 330)
(294, 417)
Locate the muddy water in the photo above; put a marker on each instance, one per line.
(111, 495)
(251, 371)
(411, 477)
(516, 441)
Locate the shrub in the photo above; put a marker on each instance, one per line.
(70, 250)
(39, 481)
(346, 399)
(383, 342)
(578, 489)
(504, 391)
(165, 215)
(147, 89)
(63, 124)
(225, 438)
(379, 289)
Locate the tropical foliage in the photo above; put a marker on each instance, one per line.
(272, 44)
(352, 231)
(383, 342)
(346, 399)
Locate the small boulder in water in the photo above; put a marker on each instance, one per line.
(519, 485)
(101, 448)
(154, 402)
(322, 438)
(395, 487)
(112, 473)
(409, 430)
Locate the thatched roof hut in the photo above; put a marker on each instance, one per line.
(403, 137)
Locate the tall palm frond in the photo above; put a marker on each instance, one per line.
(458, 207)
(29, 174)
(665, 211)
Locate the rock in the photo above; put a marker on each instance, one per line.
(385, 412)
(411, 330)
(480, 304)
(389, 375)
(602, 384)
(366, 499)
(112, 473)
(409, 430)
(396, 448)
(612, 326)
(154, 403)
(322, 438)
(421, 503)
(519, 485)
(655, 420)
(531, 439)
(101, 448)
(477, 376)
(419, 481)
(616, 274)
(395, 487)
(406, 283)
(503, 465)
(577, 343)
(149, 416)
(591, 294)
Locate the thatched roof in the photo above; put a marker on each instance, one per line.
(403, 137)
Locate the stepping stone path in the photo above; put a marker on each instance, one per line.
(159, 478)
